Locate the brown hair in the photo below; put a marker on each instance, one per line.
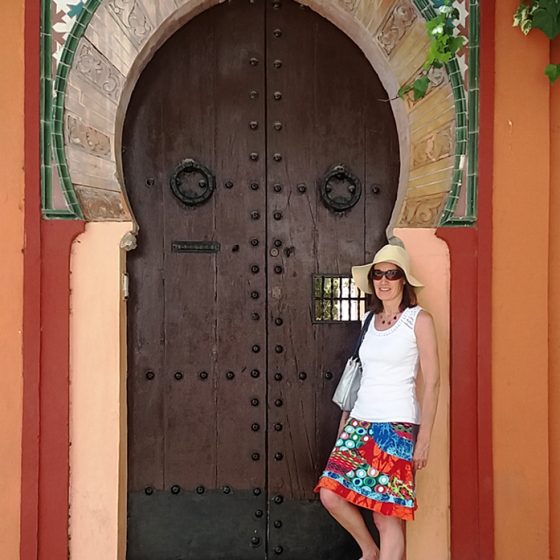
(408, 295)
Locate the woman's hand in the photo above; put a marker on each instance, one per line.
(421, 452)
(343, 418)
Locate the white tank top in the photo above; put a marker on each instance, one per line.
(390, 365)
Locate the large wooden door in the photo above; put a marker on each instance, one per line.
(261, 160)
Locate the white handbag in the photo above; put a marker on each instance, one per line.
(347, 389)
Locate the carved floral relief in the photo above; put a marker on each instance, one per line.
(400, 19)
(98, 71)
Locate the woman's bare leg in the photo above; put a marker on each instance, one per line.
(349, 516)
(391, 535)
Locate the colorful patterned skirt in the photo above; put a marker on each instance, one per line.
(371, 467)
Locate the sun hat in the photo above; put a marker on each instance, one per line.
(389, 253)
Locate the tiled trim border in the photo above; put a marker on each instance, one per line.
(52, 117)
(466, 122)
(52, 112)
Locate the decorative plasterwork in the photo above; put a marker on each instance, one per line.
(94, 51)
(398, 22)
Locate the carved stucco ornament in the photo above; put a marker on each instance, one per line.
(400, 19)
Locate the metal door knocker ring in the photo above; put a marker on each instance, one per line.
(192, 183)
(340, 189)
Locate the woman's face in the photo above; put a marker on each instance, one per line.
(388, 290)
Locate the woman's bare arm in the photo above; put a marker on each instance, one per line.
(429, 364)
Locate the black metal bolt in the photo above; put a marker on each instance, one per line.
(278, 321)
(202, 184)
(259, 513)
(278, 456)
(255, 316)
(277, 524)
(351, 189)
(253, 156)
(226, 490)
(277, 215)
(255, 402)
(278, 376)
(278, 402)
(255, 541)
(255, 269)
(257, 491)
(276, 5)
(175, 489)
(255, 215)
(277, 95)
(178, 375)
(200, 489)
(278, 427)
(230, 375)
(278, 499)
(277, 33)
(328, 375)
(277, 157)
(277, 125)
(148, 490)
(278, 269)
(253, 94)
(277, 243)
(254, 294)
(228, 184)
(150, 375)
(254, 242)
(278, 550)
(255, 427)
(302, 375)
(255, 456)
(150, 182)
(375, 189)
(277, 63)
(277, 187)
(279, 349)
(255, 373)
(203, 375)
(235, 248)
(301, 188)
(254, 186)
(253, 61)
(253, 125)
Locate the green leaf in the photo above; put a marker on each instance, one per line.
(523, 17)
(403, 90)
(553, 72)
(455, 43)
(420, 87)
(547, 17)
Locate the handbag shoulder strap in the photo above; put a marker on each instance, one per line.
(363, 333)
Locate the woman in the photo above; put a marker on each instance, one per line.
(386, 436)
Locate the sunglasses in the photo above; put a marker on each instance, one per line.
(393, 274)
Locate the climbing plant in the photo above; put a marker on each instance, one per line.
(543, 15)
(443, 46)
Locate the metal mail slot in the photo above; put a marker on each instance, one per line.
(195, 246)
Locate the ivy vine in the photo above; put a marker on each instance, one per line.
(543, 15)
(444, 44)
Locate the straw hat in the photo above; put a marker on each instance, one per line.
(389, 253)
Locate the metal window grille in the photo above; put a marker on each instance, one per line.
(337, 299)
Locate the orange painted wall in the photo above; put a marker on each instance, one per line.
(11, 273)
(554, 332)
(520, 304)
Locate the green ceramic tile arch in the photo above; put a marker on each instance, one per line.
(57, 113)
(466, 125)
(52, 114)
